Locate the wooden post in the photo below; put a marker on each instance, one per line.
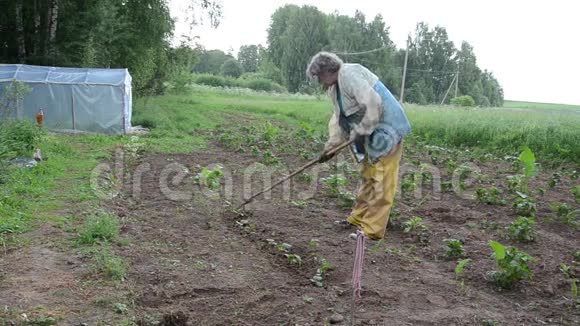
(402, 97)
(446, 93)
(457, 82)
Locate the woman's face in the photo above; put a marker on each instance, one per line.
(327, 79)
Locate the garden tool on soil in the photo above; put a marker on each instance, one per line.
(304, 167)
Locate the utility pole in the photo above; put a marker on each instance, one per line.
(450, 85)
(457, 81)
(402, 97)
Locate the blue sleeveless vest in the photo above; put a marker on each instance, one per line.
(393, 127)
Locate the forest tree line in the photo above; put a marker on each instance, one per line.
(137, 34)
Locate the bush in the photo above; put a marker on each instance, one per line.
(246, 81)
(232, 68)
(263, 85)
(19, 137)
(465, 100)
(212, 80)
(252, 75)
(179, 82)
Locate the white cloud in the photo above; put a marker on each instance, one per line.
(531, 46)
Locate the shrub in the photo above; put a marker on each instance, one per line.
(212, 80)
(262, 85)
(252, 81)
(232, 68)
(19, 137)
(179, 82)
(465, 100)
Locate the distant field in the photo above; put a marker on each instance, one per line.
(549, 133)
(535, 105)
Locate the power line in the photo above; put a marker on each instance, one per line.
(363, 52)
(432, 71)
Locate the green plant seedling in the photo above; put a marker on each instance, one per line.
(269, 158)
(576, 192)
(569, 275)
(491, 196)
(284, 247)
(566, 214)
(300, 203)
(346, 198)
(334, 184)
(210, 178)
(525, 206)
(454, 248)
(313, 244)
(325, 266)
(408, 185)
(308, 299)
(412, 224)
(294, 259)
(555, 180)
(528, 160)
(512, 265)
(523, 229)
(305, 177)
(460, 267)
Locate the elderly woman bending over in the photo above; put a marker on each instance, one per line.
(364, 111)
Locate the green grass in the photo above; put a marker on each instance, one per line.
(44, 192)
(100, 227)
(551, 135)
(107, 263)
(537, 105)
(184, 123)
(181, 120)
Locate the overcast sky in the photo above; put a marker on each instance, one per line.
(532, 47)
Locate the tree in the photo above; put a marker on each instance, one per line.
(469, 73)
(231, 68)
(249, 58)
(305, 36)
(355, 35)
(210, 62)
(131, 34)
(277, 30)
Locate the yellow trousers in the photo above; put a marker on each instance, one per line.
(377, 193)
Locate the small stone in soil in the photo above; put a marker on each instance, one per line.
(336, 318)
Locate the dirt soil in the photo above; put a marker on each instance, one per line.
(197, 257)
(193, 261)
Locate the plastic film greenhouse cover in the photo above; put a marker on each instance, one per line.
(73, 99)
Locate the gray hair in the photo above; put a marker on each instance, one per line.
(323, 62)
